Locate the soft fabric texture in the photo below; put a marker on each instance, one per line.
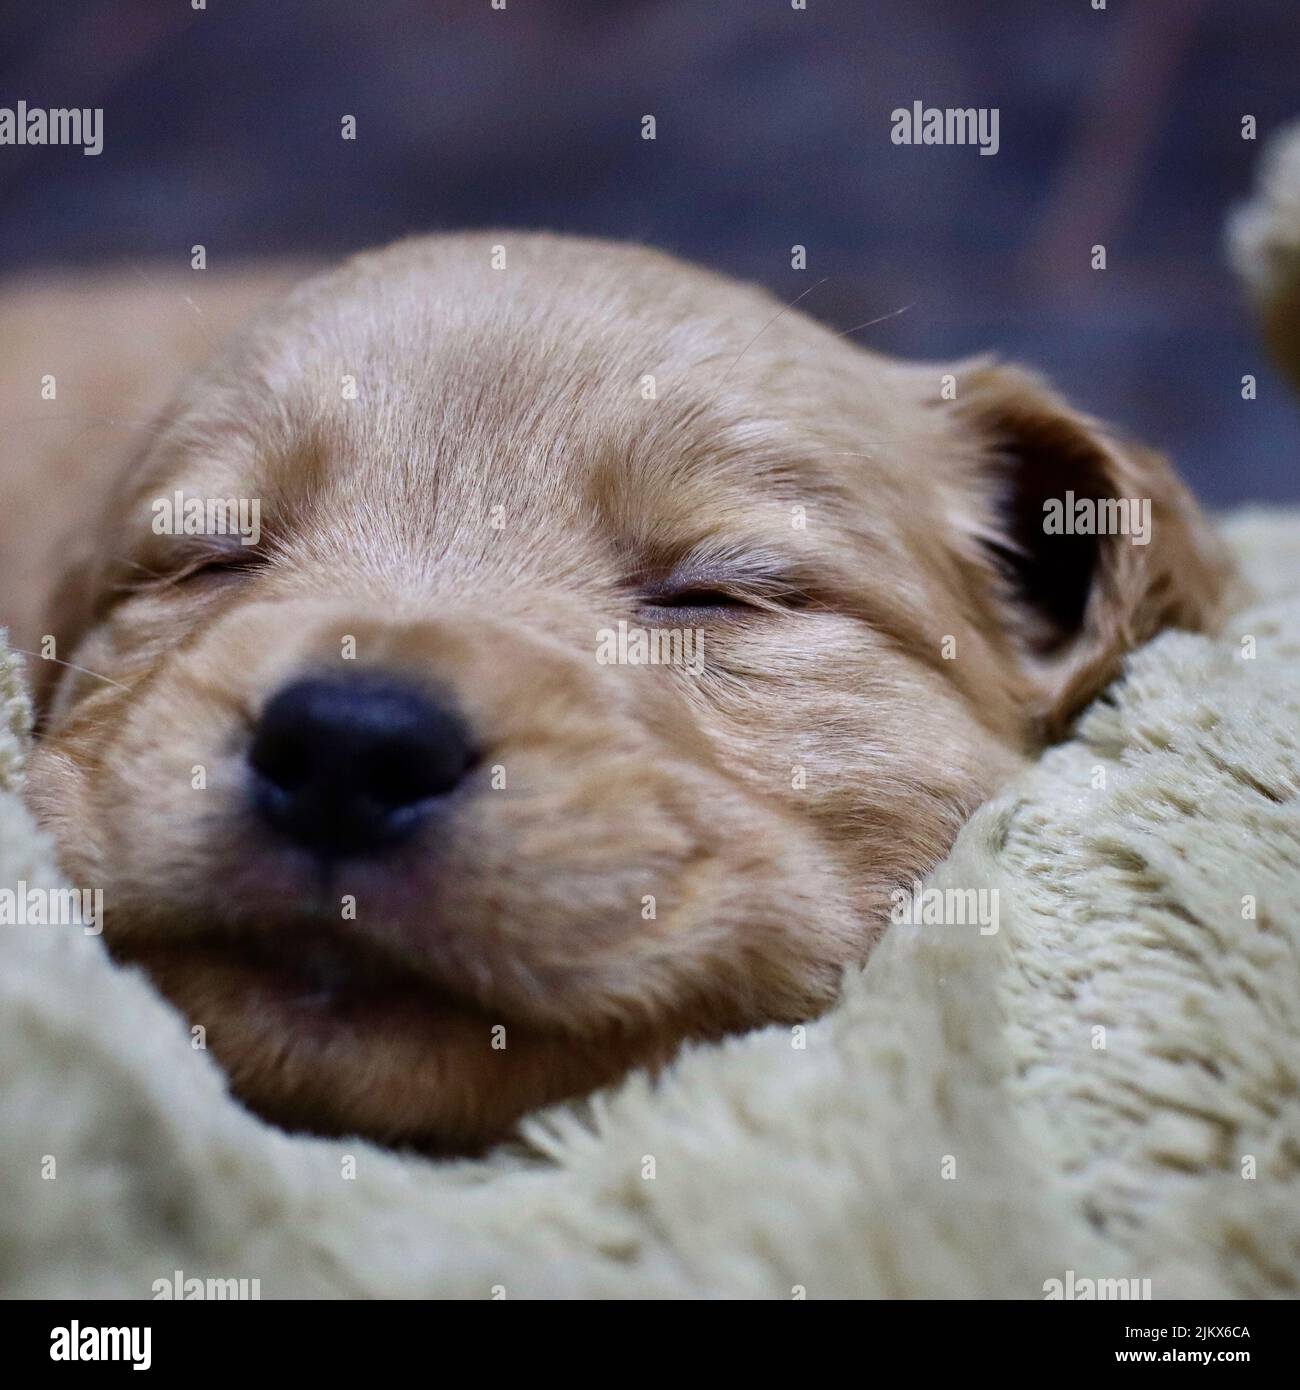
(955, 1127)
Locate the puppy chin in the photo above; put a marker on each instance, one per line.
(315, 1044)
(325, 1024)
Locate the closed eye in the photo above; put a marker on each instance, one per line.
(205, 567)
(699, 597)
(227, 566)
(730, 594)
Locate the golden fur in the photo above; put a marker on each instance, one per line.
(505, 485)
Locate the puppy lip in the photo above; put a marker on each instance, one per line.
(314, 970)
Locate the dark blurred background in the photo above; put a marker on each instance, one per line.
(1120, 127)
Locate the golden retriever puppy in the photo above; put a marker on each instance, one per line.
(593, 647)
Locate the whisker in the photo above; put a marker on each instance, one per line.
(158, 577)
(88, 420)
(871, 323)
(72, 666)
(785, 309)
(198, 313)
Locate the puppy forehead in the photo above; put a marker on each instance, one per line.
(421, 390)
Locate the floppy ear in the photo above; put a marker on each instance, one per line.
(67, 612)
(1080, 580)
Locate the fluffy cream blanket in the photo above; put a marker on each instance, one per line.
(1109, 1084)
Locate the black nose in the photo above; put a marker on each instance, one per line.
(349, 765)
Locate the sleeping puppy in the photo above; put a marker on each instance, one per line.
(609, 644)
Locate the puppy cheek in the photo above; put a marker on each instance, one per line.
(57, 790)
(695, 902)
(147, 808)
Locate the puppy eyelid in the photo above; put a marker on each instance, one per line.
(180, 571)
(698, 595)
(244, 558)
(704, 587)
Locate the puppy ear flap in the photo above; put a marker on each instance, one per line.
(1095, 544)
(65, 617)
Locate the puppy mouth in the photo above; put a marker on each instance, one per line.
(324, 1033)
(306, 975)
(328, 969)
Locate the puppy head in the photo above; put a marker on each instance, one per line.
(612, 644)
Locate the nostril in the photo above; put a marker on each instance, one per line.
(399, 775)
(393, 782)
(345, 765)
(283, 755)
